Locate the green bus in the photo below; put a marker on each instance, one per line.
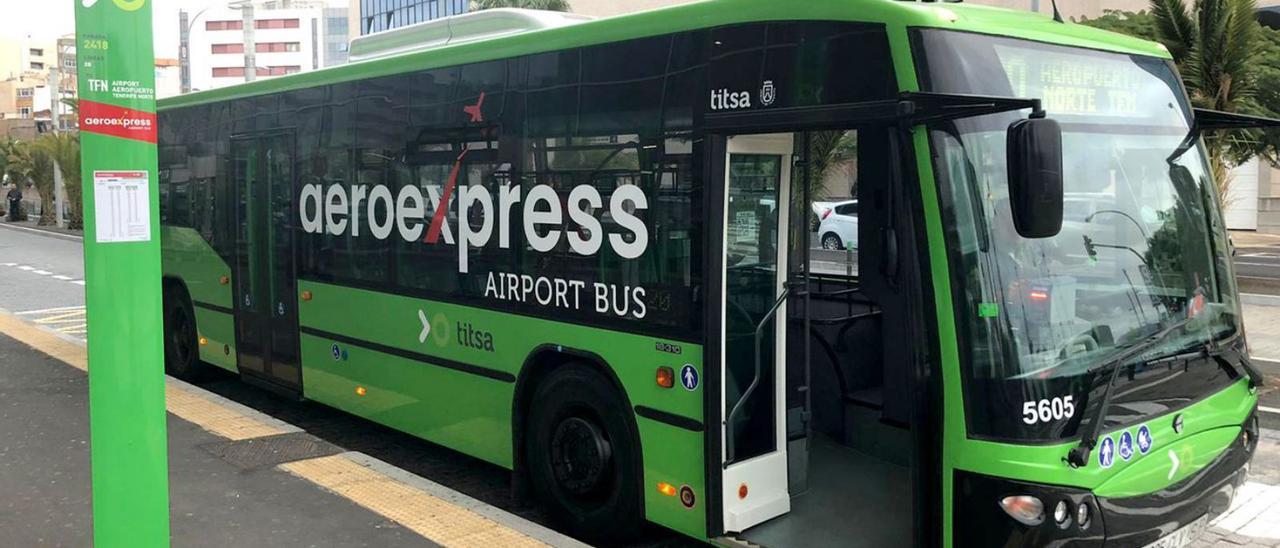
(585, 251)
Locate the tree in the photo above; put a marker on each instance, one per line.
(41, 170)
(6, 147)
(550, 5)
(64, 149)
(828, 150)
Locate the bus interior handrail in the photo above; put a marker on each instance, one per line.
(755, 380)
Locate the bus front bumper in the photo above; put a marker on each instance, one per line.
(1115, 522)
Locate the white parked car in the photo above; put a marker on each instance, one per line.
(839, 226)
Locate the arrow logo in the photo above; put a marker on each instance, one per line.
(426, 326)
(1173, 469)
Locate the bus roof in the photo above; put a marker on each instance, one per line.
(702, 14)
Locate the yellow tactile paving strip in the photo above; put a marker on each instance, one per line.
(56, 347)
(215, 417)
(210, 415)
(434, 518)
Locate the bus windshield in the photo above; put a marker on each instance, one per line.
(1142, 245)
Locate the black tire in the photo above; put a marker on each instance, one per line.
(831, 241)
(584, 456)
(181, 344)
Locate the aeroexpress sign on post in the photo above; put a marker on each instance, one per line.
(122, 272)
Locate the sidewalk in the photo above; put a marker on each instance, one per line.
(1262, 325)
(237, 477)
(1249, 238)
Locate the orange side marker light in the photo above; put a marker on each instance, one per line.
(666, 377)
(667, 489)
(360, 391)
(306, 295)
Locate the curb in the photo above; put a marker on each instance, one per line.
(42, 232)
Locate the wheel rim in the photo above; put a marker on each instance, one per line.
(830, 242)
(581, 457)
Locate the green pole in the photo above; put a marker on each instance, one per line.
(122, 273)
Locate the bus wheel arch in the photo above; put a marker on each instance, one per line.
(552, 364)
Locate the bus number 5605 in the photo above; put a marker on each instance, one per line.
(1048, 410)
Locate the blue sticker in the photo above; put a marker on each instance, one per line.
(1144, 439)
(337, 352)
(689, 377)
(344, 355)
(1126, 445)
(1106, 452)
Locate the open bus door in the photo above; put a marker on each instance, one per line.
(754, 450)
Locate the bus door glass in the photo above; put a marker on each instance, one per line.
(265, 292)
(758, 170)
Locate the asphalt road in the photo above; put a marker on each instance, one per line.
(1258, 269)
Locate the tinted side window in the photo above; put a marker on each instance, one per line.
(794, 64)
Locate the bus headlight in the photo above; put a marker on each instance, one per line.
(1082, 515)
(1028, 510)
(1062, 514)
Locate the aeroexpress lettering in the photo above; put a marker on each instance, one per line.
(336, 210)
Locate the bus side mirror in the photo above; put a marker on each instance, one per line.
(1035, 177)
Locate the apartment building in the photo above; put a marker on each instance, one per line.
(287, 37)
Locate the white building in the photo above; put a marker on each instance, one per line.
(288, 37)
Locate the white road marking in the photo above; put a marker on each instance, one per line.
(41, 272)
(55, 309)
(25, 267)
(61, 277)
(11, 264)
(78, 282)
(1271, 410)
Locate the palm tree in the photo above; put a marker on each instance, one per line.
(64, 149)
(1214, 45)
(19, 164)
(550, 5)
(41, 170)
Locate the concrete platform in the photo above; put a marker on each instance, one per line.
(236, 477)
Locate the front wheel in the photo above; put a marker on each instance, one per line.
(181, 344)
(831, 241)
(584, 460)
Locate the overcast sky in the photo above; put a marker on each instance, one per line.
(52, 18)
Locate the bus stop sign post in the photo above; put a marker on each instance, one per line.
(122, 273)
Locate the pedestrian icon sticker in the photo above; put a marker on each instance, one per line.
(1106, 452)
(1126, 445)
(1144, 439)
(337, 352)
(689, 377)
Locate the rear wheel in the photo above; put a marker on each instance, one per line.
(181, 342)
(831, 241)
(584, 461)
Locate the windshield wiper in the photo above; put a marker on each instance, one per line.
(1078, 456)
(1223, 354)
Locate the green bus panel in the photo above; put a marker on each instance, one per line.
(1209, 428)
(188, 257)
(368, 353)
(219, 332)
